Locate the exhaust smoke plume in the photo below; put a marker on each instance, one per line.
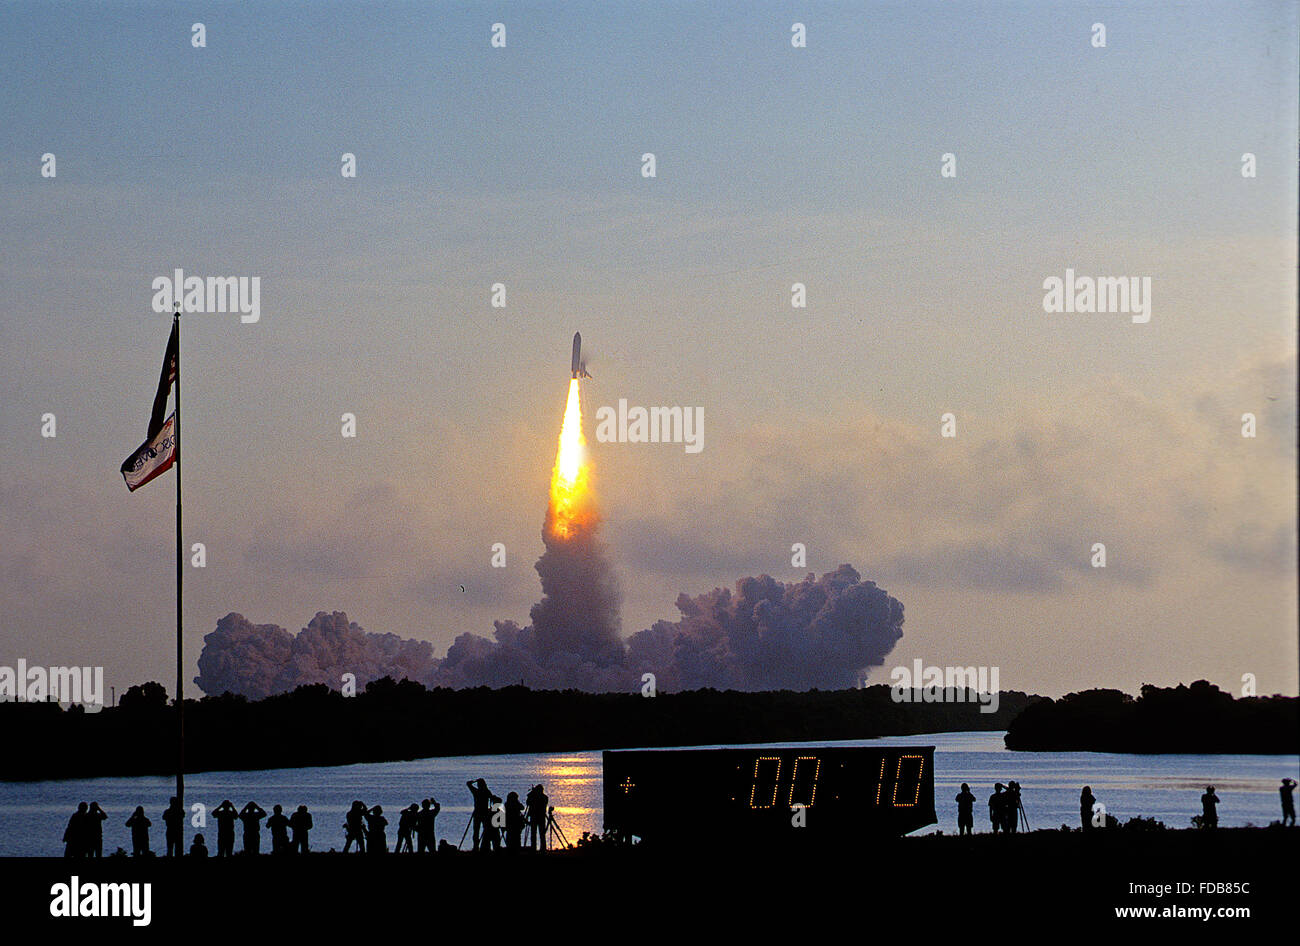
(574, 638)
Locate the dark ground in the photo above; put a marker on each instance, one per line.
(945, 885)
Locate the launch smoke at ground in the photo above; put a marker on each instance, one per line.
(769, 635)
(258, 660)
(765, 635)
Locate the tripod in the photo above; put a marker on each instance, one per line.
(466, 831)
(553, 825)
(1024, 818)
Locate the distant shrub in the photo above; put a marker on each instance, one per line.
(608, 838)
(1143, 824)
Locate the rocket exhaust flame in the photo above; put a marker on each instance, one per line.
(569, 508)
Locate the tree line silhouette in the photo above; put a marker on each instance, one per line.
(1199, 718)
(387, 721)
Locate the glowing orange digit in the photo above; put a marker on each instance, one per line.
(794, 778)
(880, 782)
(898, 778)
(753, 791)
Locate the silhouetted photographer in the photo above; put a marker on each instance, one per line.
(354, 829)
(225, 815)
(1086, 802)
(278, 824)
(1013, 810)
(492, 829)
(514, 822)
(482, 815)
(376, 842)
(251, 815)
(174, 819)
(300, 823)
(1209, 808)
(95, 830)
(74, 836)
(965, 810)
(535, 803)
(406, 829)
(426, 825)
(139, 824)
(997, 807)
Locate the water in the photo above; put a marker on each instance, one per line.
(1168, 787)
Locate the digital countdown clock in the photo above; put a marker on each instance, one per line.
(769, 793)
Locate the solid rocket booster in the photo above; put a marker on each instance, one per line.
(577, 354)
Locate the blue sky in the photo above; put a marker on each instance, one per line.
(775, 165)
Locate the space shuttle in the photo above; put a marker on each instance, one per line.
(578, 369)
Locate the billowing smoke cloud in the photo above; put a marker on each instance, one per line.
(769, 635)
(257, 660)
(819, 632)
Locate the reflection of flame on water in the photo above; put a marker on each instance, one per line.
(570, 771)
(569, 509)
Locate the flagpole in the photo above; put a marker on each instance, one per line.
(180, 570)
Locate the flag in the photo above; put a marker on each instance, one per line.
(165, 381)
(154, 457)
(158, 451)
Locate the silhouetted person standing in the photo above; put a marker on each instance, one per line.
(225, 815)
(536, 803)
(375, 823)
(174, 819)
(1287, 791)
(514, 822)
(482, 807)
(406, 828)
(997, 808)
(1086, 801)
(492, 829)
(139, 824)
(199, 848)
(426, 825)
(279, 825)
(300, 822)
(965, 810)
(1011, 808)
(354, 828)
(251, 815)
(74, 836)
(95, 830)
(1209, 813)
